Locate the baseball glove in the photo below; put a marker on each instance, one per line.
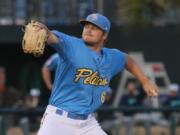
(34, 39)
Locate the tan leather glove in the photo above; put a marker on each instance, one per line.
(34, 39)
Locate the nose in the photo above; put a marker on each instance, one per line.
(88, 31)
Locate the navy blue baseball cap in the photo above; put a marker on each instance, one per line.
(98, 20)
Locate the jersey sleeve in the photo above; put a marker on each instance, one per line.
(65, 44)
(52, 62)
(119, 60)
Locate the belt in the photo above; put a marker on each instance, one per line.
(72, 115)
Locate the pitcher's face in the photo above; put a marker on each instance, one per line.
(92, 34)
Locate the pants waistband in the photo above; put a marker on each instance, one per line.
(67, 114)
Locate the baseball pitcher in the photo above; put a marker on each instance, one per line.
(81, 83)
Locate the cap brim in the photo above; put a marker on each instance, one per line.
(83, 22)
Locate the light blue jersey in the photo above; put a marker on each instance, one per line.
(82, 79)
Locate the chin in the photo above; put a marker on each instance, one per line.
(89, 43)
(87, 40)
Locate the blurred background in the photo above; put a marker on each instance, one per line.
(148, 30)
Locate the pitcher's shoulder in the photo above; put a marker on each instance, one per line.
(113, 50)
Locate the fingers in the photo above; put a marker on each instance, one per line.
(153, 92)
(157, 89)
(151, 89)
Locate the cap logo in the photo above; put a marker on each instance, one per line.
(94, 17)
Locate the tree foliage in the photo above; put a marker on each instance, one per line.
(143, 12)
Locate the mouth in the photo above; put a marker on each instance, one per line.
(88, 35)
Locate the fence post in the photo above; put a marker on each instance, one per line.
(172, 124)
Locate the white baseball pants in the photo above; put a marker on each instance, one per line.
(56, 124)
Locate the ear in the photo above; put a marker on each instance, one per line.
(105, 35)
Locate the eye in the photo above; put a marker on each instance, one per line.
(86, 26)
(94, 28)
